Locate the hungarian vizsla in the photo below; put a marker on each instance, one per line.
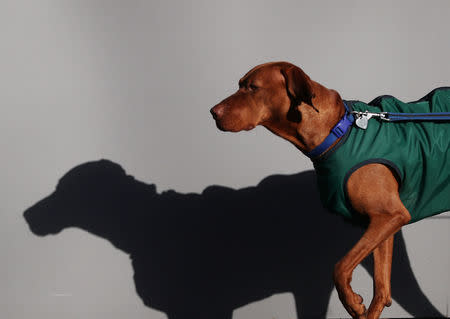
(282, 98)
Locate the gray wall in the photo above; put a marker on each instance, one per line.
(133, 81)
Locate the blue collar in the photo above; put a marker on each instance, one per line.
(336, 132)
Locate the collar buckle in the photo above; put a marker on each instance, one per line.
(336, 132)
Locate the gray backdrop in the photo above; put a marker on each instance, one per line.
(133, 81)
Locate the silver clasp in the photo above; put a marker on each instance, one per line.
(362, 118)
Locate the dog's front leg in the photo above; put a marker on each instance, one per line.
(382, 258)
(380, 229)
(373, 191)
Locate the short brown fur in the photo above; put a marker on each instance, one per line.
(282, 98)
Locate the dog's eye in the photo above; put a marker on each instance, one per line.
(253, 87)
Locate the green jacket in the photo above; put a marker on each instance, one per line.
(418, 152)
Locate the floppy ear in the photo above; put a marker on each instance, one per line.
(298, 85)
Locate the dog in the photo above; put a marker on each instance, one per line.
(281, 97)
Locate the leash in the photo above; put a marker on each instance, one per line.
(362, 118)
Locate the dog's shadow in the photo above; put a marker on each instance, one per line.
(204, 255)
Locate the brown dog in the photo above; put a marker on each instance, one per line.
(282, 98)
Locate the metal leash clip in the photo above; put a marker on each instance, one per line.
(362, 118)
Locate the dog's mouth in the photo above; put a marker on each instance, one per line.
(227, 122)
(220, 126)
(233, 128)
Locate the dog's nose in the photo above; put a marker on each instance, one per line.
(217, 111)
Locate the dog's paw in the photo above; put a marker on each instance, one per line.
(377, 305)
(353, 303)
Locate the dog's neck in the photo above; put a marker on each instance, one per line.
(312, 123)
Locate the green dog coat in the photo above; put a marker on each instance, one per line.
(416, 151)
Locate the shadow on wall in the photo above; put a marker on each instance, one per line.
(203, 255)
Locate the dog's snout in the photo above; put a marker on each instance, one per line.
(217, 111)
(213, 113)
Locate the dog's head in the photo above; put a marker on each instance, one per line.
(267, 92)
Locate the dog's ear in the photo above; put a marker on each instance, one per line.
(298, 85)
